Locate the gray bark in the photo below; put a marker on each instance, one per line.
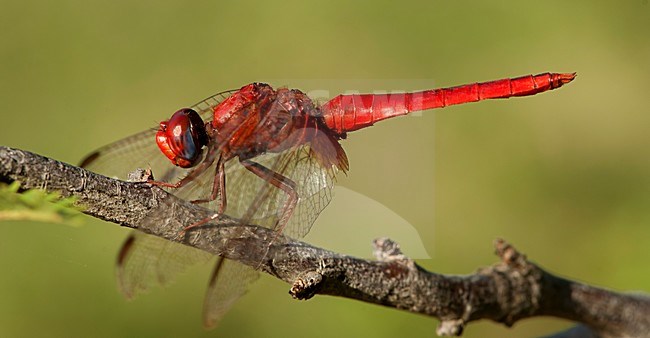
(510, 290)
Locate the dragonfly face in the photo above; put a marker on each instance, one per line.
(182, 138)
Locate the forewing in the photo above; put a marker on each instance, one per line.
(205, 107)
(119, 158)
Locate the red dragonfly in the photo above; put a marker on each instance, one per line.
(265, 156)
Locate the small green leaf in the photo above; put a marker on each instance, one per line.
(37, 205)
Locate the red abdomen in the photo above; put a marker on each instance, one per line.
(346, 113)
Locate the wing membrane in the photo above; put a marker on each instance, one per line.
(146, 260)
(228, 283)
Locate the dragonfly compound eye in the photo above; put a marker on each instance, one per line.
(182, 138)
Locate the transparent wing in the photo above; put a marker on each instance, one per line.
(228, 283)
(205, 107)
(121, 157)
(146, 260)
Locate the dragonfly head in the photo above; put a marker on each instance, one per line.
(182, 138)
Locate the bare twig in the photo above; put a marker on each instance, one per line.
(508, 291)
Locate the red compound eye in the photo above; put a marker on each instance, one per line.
(182, 138)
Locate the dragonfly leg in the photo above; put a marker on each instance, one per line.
(196, 172)
(218, 187)
(281, 182)
(214, 216)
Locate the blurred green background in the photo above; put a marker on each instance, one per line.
(564, 176)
